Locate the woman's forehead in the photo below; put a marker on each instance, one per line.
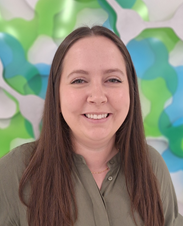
(93, 48)
(93, 41)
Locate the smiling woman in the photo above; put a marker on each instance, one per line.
(91, 165)
(94, 93)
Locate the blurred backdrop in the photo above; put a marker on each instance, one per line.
(30, 32)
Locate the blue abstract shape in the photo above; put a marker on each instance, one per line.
(5, 53)
(173, 162)
(107, 24)
(44, 82)
(178, 122)
(14, 46)
(44, 70)
(142, 55)
(160, 67)
(111, 14)
(18, 65)
(175, 109)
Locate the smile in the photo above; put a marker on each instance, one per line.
(94, 116)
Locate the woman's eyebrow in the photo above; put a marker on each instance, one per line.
(108, 71)
(113, 70)
(83, 72)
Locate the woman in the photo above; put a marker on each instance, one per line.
(91, 165)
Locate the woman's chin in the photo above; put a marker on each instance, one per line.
(99, 137)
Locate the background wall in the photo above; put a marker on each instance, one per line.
(30, 32)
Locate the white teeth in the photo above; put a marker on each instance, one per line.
(96, 116)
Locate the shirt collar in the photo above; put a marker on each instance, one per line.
(115, 160)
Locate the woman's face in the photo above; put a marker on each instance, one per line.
(94, 90)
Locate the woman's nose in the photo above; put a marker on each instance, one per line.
(97, 96)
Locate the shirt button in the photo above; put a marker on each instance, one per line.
(110, 178)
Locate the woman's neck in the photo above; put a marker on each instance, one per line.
(96, 156)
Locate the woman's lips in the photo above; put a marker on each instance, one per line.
(96, 116)
(92, 120)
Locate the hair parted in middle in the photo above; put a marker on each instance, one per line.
(52, 200)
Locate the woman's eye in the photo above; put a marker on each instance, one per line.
(114, 80)
(78, 81)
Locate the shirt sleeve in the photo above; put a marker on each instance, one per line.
(167, 191)
(8, 190)
(170, 206)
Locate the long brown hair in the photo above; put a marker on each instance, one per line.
(52, 199)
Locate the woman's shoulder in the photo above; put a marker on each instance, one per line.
(16, 160)
(23, 150)
(157, 161)
(167, 191)
(160, 170)
(12, 167)
(158, 165)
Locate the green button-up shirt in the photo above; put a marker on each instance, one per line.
(109, 206)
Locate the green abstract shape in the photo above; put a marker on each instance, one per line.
(161, 66)
(27, 31)
(65, 20)
(19, 67)
(55, 18)
(173, 134)
(157, 93)
(17, 82)
(14, 99)
(165, 35)
(28, 90)
(84, 1)
(141, 8)
(112, 15)
(23, 30)
(35, 84)
(29, 128)
(165, 71)
(15, 63)
(137, 5)
(32, 86)
(126, 4)
(19, 127)
(46, 11)
(15, 129)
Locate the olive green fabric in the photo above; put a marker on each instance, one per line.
(109, 206)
